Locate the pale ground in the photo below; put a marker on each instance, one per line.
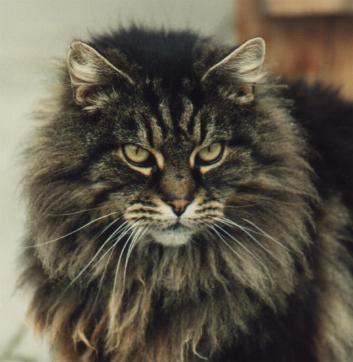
(32, 33)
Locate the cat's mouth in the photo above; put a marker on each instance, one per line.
(175, 234)
(176, 227)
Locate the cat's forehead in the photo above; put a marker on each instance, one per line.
(168, 120)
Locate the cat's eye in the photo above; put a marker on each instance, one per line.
(210, 154)
(137, 155)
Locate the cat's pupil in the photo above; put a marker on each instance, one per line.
(241, 93)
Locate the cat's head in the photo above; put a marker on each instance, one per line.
(176, 149)
(154, 145)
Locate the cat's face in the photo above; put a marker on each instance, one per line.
(179, 168)
(176, 155)
(206, 160)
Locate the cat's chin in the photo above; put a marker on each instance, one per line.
(172, 236)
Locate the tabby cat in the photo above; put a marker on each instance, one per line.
(183, 206)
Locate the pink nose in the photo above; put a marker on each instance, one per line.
(179, 204)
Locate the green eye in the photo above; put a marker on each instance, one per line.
(137, 155)
(210, 154)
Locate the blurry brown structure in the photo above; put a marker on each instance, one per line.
(310, 38)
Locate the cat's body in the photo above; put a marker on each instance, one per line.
(243, 191)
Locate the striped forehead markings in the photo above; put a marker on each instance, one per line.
(163, 124)
(164, 109)
(187, 123)
(157, 132)
(186, 115)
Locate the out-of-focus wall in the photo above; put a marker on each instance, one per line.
(305, 38)
(32, 33)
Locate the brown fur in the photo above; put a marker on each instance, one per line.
(269, 291)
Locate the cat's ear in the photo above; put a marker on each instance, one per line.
(244, 65)
(88, 70)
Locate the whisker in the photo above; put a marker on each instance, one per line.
(101, 280)
(126, 229)
(142, 208)
(132, 245)
(142, 218)
(70, 233)
(139, 215)
(207, 209)
(266, 234)
(82, 271)
(246, 249)
(232, 223)
(74, 212)
(238, 206)
(91, 261)
(225, 242)
(131, 236)
(105, 205)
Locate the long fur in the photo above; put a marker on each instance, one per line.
(280, 292)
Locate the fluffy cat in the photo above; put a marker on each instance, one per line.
(184, 206)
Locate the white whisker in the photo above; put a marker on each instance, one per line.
(234, 224)
(90, 262)
(72, 232)
(126, 229)
(246, 249)
(238, 206)
(101, 280)
(225, 242)
(266, 234)
(138, 236)
(74, 212)
(131, 236)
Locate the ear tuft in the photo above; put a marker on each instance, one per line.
(244, 64)
(88, 70)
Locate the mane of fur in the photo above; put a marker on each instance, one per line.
(177, 304)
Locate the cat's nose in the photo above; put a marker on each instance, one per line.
(178, 203)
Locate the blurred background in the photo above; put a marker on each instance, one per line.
(310, 38)
(305, 38)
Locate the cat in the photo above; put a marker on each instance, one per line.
(184, 205)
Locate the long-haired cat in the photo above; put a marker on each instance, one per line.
(183, 206)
